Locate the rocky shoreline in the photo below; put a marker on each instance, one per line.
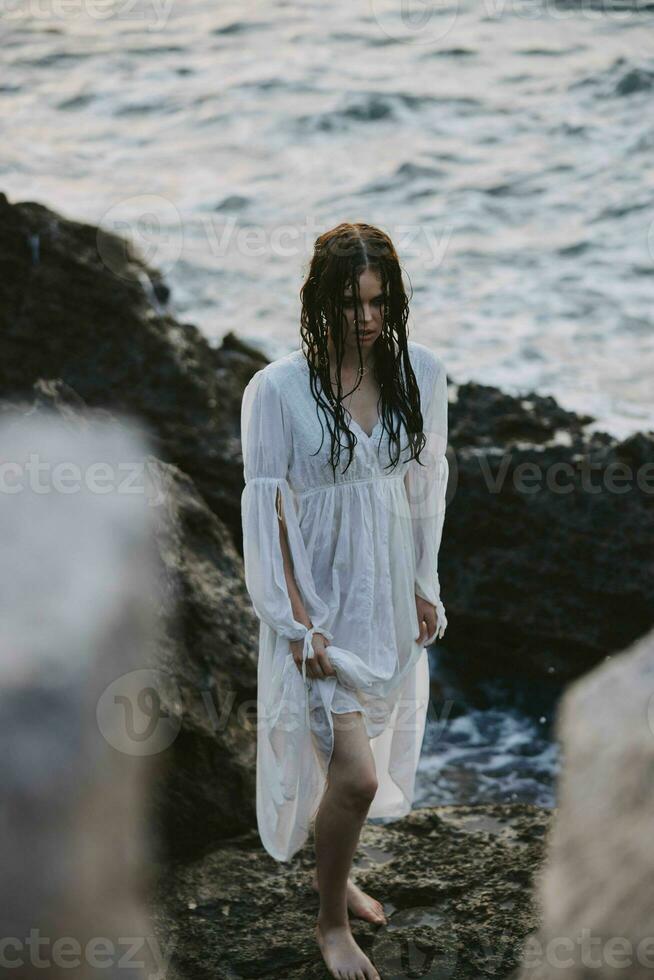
(456, 883)
(539, 584)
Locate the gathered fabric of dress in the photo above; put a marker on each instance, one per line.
(362, 548)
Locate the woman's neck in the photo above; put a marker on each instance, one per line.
(351, 363)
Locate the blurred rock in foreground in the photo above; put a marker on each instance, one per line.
(77, 607)
(202, 658)
(597, 889)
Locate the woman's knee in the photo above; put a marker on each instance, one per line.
(352, 767)
(358, 789)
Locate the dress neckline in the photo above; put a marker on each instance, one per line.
(299, 353)
(353, 421)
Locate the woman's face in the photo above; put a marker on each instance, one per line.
(370, 311)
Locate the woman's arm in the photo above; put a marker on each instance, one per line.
(320, 664)
(266, 446)
(297, 606)
(426, 486)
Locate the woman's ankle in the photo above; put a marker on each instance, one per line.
(326, 923)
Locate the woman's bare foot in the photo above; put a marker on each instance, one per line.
(342, 956)
(361, 905)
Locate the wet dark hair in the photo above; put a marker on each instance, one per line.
(339, 257)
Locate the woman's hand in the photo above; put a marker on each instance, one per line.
(318, 666)
(427, 618)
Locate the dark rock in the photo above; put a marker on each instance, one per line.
(84, 313)
(546, 564)
(455, 882)
(484, 417)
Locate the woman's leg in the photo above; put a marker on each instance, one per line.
(351, 787)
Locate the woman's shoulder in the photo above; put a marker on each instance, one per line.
(425, 362)
(274, 373)
(282, 367)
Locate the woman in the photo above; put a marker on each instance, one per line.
(340, 562)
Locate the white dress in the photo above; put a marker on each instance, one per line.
(362, 548)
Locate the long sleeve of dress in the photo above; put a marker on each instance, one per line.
(426, 489)
(266, 445)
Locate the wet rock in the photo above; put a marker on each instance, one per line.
(545, 563)
(455, 883)
(76, 304)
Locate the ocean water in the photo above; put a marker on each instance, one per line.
(490, 755)
(487, 741)
(507, 148)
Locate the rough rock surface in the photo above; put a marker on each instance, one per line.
(537, 581)
(77, 305)
(455, 883)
